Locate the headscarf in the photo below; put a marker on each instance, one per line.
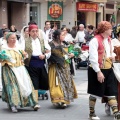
(32, 26)
(22, 34)
(8, 35)
(103, 26)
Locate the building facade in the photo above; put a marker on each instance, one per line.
(20, 12)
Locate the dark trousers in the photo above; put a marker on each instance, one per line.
(39, 77)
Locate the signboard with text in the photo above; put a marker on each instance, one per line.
(55, 11)
(25, 1)
(81, 6)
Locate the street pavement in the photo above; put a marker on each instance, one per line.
(77, 110)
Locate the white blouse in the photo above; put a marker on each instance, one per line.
(115, 42)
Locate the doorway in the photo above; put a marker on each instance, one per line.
(98, 18)
(81, 18)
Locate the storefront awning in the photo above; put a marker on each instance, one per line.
(86, 6)
(25, 1)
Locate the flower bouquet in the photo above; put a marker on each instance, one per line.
(75, 50)
(5, 56)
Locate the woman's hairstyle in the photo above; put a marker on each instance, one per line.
(63, 27)
(56, 35)
(67, 29)
(103, 26)
(8, 35)
(91, 27)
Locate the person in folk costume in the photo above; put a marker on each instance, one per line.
(116, 41)
(38, 50)
(116, 44)
(101, 78)
(18, 89)
(23, 36)
(3, 42)
(61, 85)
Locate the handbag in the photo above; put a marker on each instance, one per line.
(116, 70)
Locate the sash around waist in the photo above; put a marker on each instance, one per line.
(36, 62)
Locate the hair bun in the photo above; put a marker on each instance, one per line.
(56, 34)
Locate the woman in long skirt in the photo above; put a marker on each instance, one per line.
(17, 86)
(61, 84)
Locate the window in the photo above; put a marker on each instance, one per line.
(56, 23)
(34, 13)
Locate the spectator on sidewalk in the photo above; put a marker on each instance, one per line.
(48, 31)
(1, 30)
(14, 30)
(80, 37)
(89, 34)
(73, 32)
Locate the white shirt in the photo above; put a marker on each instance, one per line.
(69, 38)
(47, 46)
(80, 36)
(93, 53)
(47, 35)
(36, 47)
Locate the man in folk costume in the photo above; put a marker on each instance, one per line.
(38, 50)
(101, 78)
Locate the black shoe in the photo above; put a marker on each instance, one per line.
(63, 105)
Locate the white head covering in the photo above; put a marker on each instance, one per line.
(22, 38)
